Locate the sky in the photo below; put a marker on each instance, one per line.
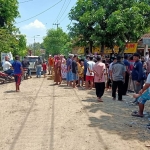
(37, 26)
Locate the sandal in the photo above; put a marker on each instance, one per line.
(136, 114)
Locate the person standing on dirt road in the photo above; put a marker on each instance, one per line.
(50, 64)
(18, 71)
(74, 70)
(137, 74)
(99, 78)
(118, 77)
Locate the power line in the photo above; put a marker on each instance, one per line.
(60, 10)
(65, 9)
(69, 25)
(65, 16)
(40, 13)
(25, 1)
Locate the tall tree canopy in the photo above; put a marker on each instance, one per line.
(109, 22)
(57, 42)
(10, 38)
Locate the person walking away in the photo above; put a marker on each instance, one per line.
(69, 71)
(74, 70)
(99, 78)
(137, 74)
(127, 74)
(57, 71)
(44, 66)
(50, 64)
(90, 73)
(118, 78)
(18, 71)
(25, 65)
(38, 65)
(81, 74)
(7, 66)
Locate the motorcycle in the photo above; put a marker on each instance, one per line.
(25, 75)
(5, 77)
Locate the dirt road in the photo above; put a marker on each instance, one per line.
(47, 117)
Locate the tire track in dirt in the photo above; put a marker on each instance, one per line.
(46, 129)
(25, 119)
(95, 129)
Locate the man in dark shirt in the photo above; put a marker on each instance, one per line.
(137, 74)
(25, 64)
(127, 74)
(74, 71)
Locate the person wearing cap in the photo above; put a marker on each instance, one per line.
(118, 76)
(50, 64)
(99, 78)
(137, 74)
(127, 74)
(18, 71)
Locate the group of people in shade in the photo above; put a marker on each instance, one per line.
(101, 73)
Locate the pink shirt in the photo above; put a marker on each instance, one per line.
(99, 67)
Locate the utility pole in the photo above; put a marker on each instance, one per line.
(56, 24)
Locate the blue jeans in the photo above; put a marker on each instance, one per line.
(9, 72)
(38, 70)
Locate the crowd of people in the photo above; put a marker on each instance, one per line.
(116, 74)
(93, 71)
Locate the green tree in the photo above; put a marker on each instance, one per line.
(8, 12)
(109, 22)
(57, 42)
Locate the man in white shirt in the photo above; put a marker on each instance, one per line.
(142, 97)
(90, 73)
(7, 66)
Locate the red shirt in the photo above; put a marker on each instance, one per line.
(44, 67)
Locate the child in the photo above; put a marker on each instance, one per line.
(18, 71)
(44, 68)
(81, 73)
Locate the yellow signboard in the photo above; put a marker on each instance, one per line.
(96, 50)
(131, 48)
(80, 50)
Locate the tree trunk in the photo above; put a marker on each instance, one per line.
(102, 48)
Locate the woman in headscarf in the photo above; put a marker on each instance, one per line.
(57, 70)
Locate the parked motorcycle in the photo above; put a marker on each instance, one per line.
(25, 75)
(5, 77)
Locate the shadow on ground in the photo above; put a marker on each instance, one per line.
(115, 117)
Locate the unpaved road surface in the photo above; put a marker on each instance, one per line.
(47, 117)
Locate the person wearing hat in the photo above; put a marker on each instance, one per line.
(137, 74)
(118, 76)
(50, 64)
